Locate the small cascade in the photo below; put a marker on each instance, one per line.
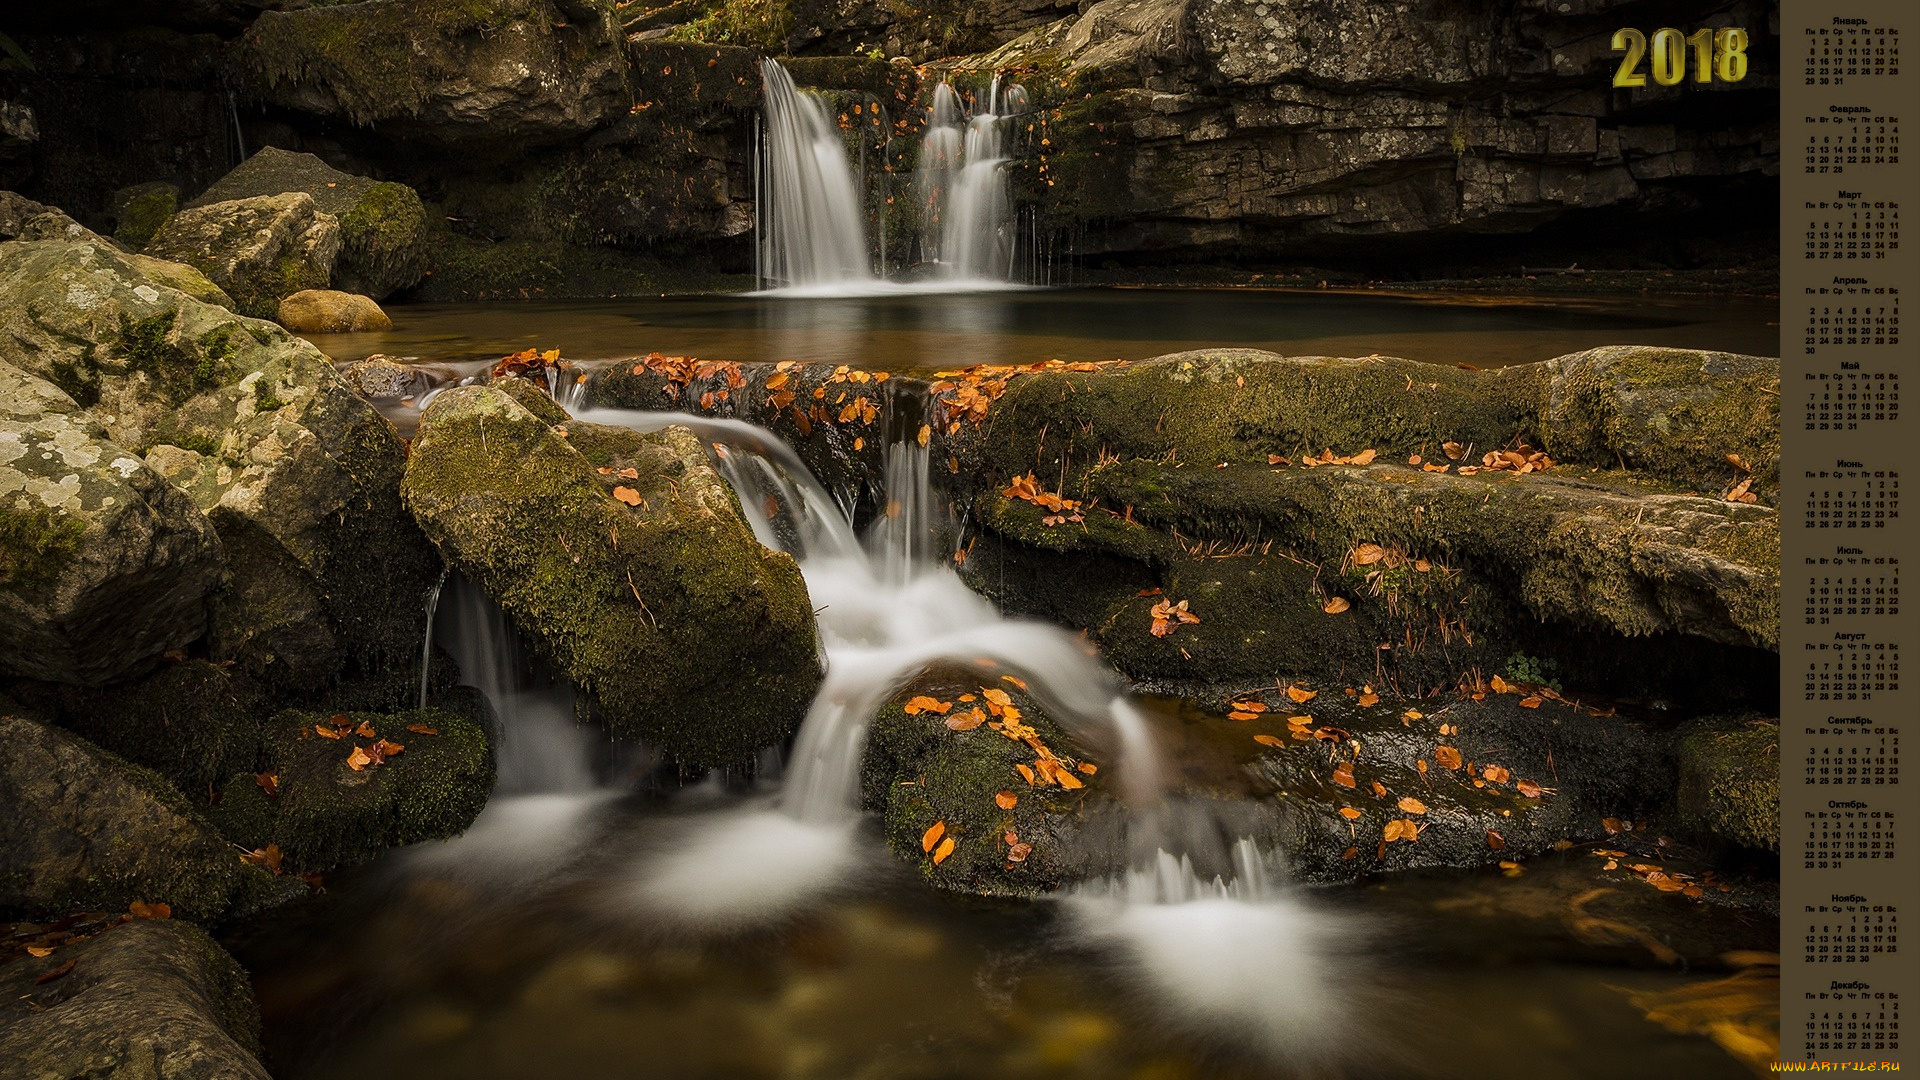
(812, 233)
(426, 642)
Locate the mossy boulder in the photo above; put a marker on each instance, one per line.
(258, 249)
(87, 831)
(15, 211)
(917, 771)
(325, 813)
(146, 999)
(504, 73)
(326, 572)
(1672, 413)
(103, 564)
(626, 558)
(1729, 788)
(329, 311)
(383, 225)
(1530, 777)
(139, 211)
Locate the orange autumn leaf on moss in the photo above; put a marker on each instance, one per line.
(1169, 616)
(922, 703)
(627, 495)
(966, 721)
(932, 836)
(1006, 800)
(268, 857)
(1018, 853)
(945, 849)
(423, 729)
(1336, 605)
(359, 759)
(140, 909)
(1349, 813)
(1401, 829)
(1026, 773)
(267, 782)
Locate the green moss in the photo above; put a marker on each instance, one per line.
(151, 345)
(753, 24)
(382, 240)
(143, 215)
(327, 814)
(36, 544)
(685, 630)
(1729, 787)
(193, 722)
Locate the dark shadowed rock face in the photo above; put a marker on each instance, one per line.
(87, 831)
(452, 71)
(145, 1000)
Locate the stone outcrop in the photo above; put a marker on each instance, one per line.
(297, 474)
(258, 249)
(1729, 788)
(383, 225)
(103, 564)
(87, 831)
(451, 72)
(142, 1000)
(624, 555)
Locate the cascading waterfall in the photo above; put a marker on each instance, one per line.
(812, 235)
(964, 181)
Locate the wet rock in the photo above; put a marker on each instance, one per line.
(1729, 788)
(138, 211)
(144, 999)
(299, 476)
(647, 588)
(88, 831)
(258, 250)
(103, 564)
(453, 73)
(325, 814)
(918, 771)
(382, 377)
(1531, 776)
(1672, 413)
(383, 225)
(327, 311)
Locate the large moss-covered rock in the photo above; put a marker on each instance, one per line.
(383, 225)
(1672, 413)
(139, 210)
(1730, 780)
(300, 477)
(626, 557)
(146, 1000)
(451, 71)
(88, 831)
(324, 813)
(103, 564)
(258, 249)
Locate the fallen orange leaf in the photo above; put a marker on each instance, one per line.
(1019, 852)
(627, 495)
(1301, 695)
(1448, 757)
(359, 759)
(1269, 740)
(1412, 805)
(932, 835)
(1336, 605)
(1006, 800)
(143, 910)
(945, 849)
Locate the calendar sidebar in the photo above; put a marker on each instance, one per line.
(1845, 874)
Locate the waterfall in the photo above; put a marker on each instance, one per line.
(812, 236)
(426, 641)
(964, 182)
(812, 233)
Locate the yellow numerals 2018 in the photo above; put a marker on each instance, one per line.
(1718, 54)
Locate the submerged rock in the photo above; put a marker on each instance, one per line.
(258, 249)
(383, 225)
(1729, 788)
(328, 311)
(324, 813)
(88, 831)
(297, 474)
(143, 1000)
(103, 564)
(626, 557)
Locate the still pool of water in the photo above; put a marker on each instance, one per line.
(927, 330)
(530, 954)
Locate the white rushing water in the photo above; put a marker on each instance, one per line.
(813, 239)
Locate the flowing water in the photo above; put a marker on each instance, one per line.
(715, 931)
(813, 236)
